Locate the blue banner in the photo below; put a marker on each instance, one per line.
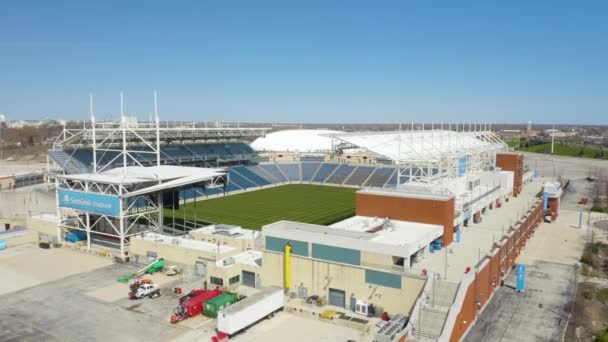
(462, 165)
(89, 202)
(521, 277)
(545, 201)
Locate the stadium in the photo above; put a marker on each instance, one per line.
(359, 221)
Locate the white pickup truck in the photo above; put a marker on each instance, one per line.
(146, 290)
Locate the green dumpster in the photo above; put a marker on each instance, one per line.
(213, 306)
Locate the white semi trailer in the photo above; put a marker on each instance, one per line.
(248, 311)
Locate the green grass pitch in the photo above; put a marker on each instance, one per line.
(316, 204)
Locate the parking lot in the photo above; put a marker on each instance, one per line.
(540, 313)
(64, 295)
(27, 265)
(59, 295)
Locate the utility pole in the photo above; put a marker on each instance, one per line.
(445, 272)
(1, 143)
(553, 140)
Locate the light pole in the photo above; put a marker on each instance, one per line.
(1, 142)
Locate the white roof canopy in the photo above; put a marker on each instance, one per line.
(156, 178)
(423, 145)
(139, 174)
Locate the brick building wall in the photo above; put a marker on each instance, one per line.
(512, 162)
(493, 269)
(421, 210)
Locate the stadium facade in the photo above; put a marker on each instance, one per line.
(418, 190)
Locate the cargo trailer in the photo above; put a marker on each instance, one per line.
(250, 310)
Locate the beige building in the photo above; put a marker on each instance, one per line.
(226, 234)
(223, 255)
(356, 158)
(284, 157)
(343, 267)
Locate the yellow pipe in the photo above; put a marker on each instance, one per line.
(287, 266)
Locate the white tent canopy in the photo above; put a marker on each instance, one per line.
(423, 145)
(296, 140)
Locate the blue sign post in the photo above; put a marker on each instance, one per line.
(89, 202)
(521, 277)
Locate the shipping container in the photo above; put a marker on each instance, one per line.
(193, 305)
(213, 306)
(248, 311)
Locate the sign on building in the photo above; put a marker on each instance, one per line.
(89, 202)
(462, 165)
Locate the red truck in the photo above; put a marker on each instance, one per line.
(193, 305)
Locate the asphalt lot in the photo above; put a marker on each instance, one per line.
(62, 310)
(75, 297)
(540, 313)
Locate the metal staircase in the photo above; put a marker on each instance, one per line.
(433, 314)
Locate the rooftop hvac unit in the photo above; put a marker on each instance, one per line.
(228, 261)
(390, 330)
(227, 229)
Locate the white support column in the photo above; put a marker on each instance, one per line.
(121, 224)
(94, 134)
(161, 219)
(399, 157)
(157, 132)
(58, 213)
(124, 133)
(87, 225)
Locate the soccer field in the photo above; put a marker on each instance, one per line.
(295, 202)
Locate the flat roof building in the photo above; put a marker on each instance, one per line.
(346, 263)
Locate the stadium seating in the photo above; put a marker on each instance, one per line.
(392, 181)
(273, 170)
(67, 161)
(258, 170)
(209, 154)
(324, 171)
(240, 158)
(359, 176)
(379, 177)
(341, 173)
(232, 187)
(309, 170)
(240, 181)
(250, 175)
(291, 171)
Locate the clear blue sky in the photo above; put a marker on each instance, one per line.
(308, 61)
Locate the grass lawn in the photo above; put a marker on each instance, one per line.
(560, 149)
(316, 204)
(566, 150)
